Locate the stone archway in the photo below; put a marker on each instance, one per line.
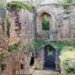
(52, 24)
(39, 20)
(49, 57)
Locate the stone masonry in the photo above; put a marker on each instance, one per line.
(62, 27)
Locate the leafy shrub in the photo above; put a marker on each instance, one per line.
(13, 47)
(69, 66)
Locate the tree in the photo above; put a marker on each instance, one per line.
(3, 4)
(67, 1)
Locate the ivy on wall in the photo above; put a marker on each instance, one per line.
(19, 5)
(13, 47)
(45, 23)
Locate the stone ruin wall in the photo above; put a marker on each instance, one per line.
(3, 38)
(14, 64)
(26, 36)
(13, 35)
(63, 26)
(67, 25)
(27, 26)
(64, 23)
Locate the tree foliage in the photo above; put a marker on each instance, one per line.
(3, 4)
(67, 1)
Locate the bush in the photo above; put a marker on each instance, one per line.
(13, 47)
(69, 66)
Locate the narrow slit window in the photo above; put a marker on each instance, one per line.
(22, 66)
(32, 61)
(3, 67)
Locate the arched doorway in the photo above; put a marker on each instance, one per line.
(49, 57)
(32, 60)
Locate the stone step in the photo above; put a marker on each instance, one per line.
(45, 72)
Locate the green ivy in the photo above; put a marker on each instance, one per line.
(61, 44)
(13, 47)
(40, 44)
(3, 55)
(19, 5)
(69, 69)
(45, 24)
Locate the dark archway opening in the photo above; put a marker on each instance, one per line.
(49, 57)
(3, 67)
(22, 66)
(32, 61)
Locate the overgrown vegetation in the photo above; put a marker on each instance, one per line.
(39, 44)
(3, 59)
(67, 54)
(68, 61)
(13, 47)
(19, 5)
(67, 3)
(45, 24)
(3, 55)
(61, 44)
(69, 66)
